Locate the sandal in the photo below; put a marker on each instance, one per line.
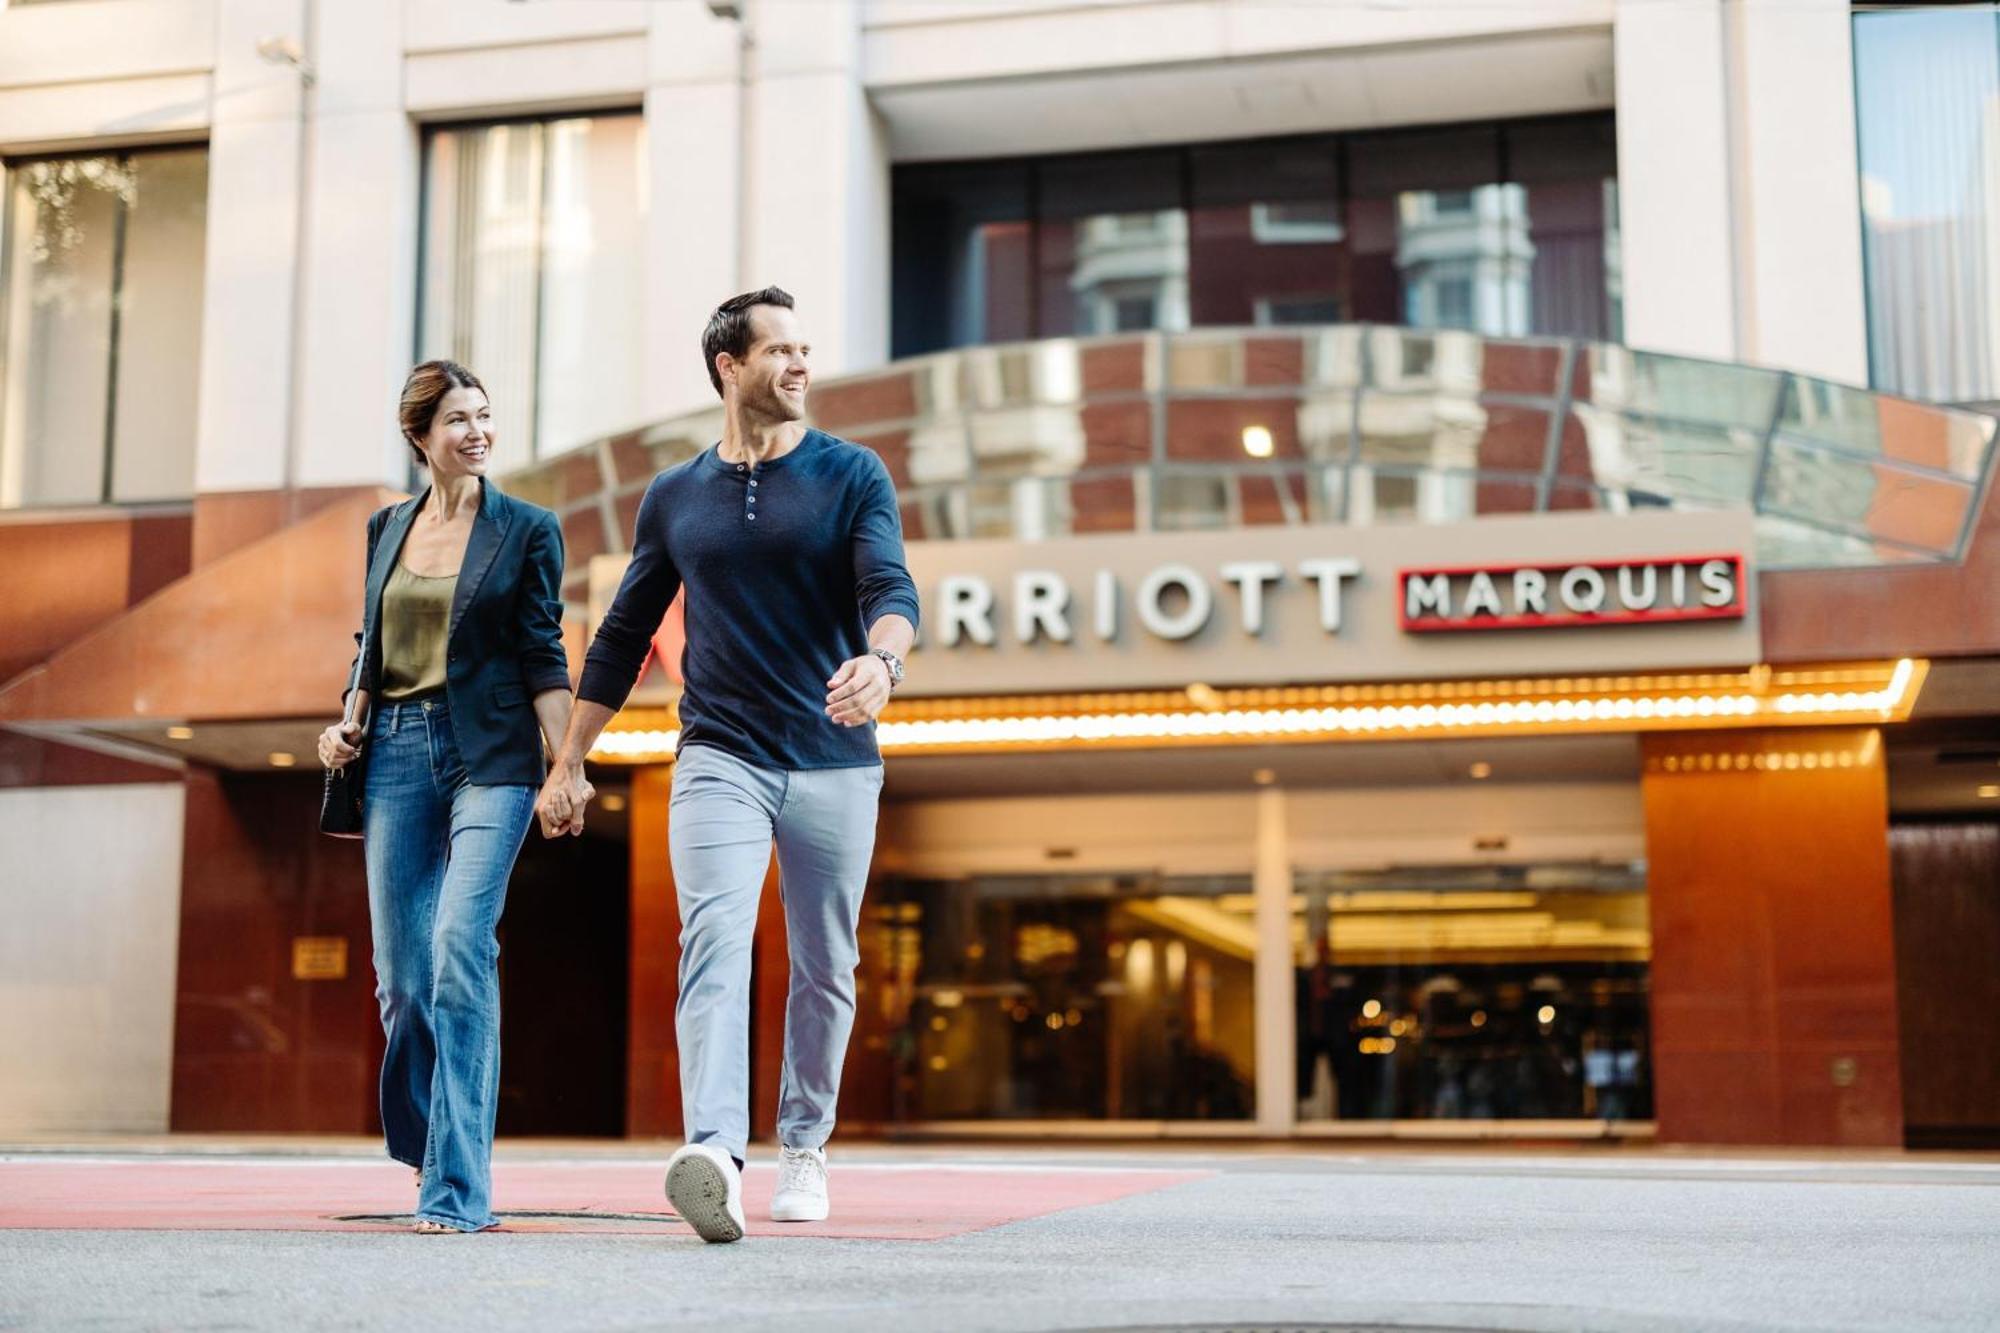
(426, 1227)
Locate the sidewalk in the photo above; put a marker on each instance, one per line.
(291, 1234)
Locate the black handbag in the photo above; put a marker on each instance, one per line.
(340, 802)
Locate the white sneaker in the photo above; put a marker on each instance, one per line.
(706, 1189)
(801, 1192)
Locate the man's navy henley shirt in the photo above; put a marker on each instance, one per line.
(785, 565)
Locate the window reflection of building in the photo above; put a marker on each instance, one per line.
(1505, 229)
(533, 237)
(1930, 199)
(1465, 258)
(1130, 272)
(103, 291)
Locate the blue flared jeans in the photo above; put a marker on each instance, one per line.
(439, 850)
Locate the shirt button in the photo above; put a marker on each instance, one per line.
(753, 483)
(751, 500)
(742, 467)
(751, 517)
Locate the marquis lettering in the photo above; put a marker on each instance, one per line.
(1560, 593)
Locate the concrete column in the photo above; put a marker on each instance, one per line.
(694, 96)
(1798, 218)
(1674, 178)
(360, 253)
(246, 332)
(1739, 183)
(819, 191)
(1277, 1023)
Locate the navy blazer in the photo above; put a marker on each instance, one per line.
(505, 643)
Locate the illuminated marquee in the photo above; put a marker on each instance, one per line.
(1560, 594)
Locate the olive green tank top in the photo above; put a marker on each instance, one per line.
(416, 620)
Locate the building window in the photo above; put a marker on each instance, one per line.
(1474, 993)
(1099, 997)
(1304, 309)
(1930, 199)
(1309, 222)
(1451, 306)
(534, 240)
(103, 269)
(1346, 227)
(1128, 314)
(1111, 246)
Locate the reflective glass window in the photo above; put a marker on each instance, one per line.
(1111, 245)
(1426, 212)
(1566, 173)
(533, 237)
(103, 271)
(1875, 499)
(1067, 997)
(1466, 993)
(1498, 229)
(1267, 240)
(1925, 83)
(963, 254)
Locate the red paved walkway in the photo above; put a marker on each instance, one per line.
(871, 1201)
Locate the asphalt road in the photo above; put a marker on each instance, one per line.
(1610, 1240)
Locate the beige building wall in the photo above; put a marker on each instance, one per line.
(768, 159)
(88, 956)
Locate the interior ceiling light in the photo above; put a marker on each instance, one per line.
(1758, 697)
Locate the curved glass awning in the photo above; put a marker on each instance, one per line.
(1359, 424)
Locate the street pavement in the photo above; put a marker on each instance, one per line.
(989, 1238)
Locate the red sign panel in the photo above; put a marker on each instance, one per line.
(1560, 593)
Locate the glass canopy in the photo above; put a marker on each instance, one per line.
(1360, 424)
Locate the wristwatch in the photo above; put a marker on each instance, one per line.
(895, 665)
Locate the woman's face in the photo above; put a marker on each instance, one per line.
(461, 436)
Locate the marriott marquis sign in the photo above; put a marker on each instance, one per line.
(1317, 604)
(1176, 601)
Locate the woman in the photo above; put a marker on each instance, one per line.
(462, 628)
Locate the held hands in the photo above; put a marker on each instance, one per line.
(340, 744)
(858, 691)
(561, 805)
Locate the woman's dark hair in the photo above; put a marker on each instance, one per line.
(423, 391)
(729, 328)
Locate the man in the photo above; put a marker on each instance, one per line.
(799, 612)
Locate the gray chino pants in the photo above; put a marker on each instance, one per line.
(724, 816)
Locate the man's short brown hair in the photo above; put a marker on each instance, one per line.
(729, 328)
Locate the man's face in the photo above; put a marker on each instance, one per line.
(771, 378)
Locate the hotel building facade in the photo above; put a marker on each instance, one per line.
(1456, 545)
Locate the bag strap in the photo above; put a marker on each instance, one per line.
(347, 717)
